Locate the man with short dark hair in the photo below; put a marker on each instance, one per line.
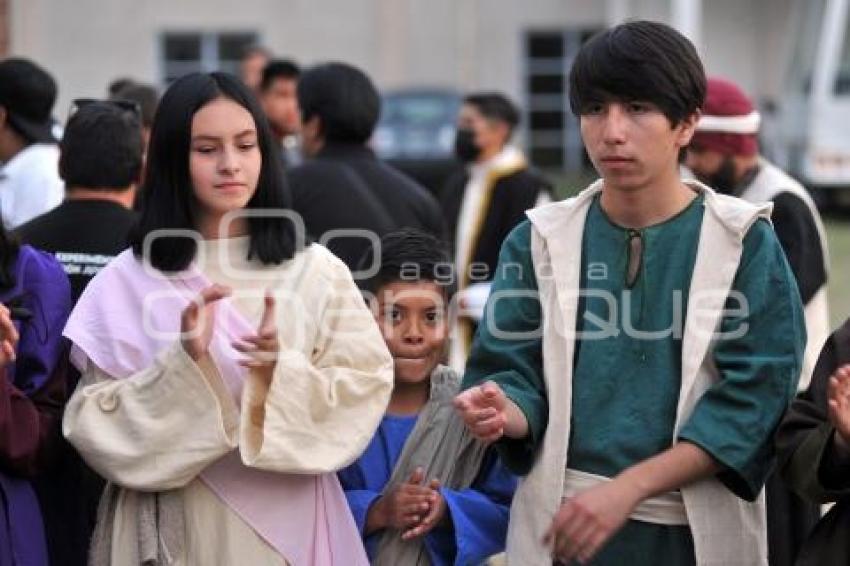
(484, 201)
(100, 161)
(29, 181)
(279, 97)
(642, 339)
(344, 185)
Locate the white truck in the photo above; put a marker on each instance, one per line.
(810, 136)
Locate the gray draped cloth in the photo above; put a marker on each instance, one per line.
(160, 529)
(443, 447)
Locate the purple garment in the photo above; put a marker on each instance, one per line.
(43, 289)
(22, 540)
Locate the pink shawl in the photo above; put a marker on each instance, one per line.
(126, 316)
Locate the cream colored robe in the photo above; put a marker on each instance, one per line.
(158, 429)
(727, 530)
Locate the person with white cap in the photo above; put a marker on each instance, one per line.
(29, 172)
(724, 153)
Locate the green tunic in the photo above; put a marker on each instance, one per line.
(628, 363)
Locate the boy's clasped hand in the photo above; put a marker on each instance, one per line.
(412, 507)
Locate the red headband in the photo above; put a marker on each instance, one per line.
(729, 123)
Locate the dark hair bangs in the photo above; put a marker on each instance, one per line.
(412, 256)
(639, 61)
(168, 198)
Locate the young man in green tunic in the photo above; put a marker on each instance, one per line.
(641, 340)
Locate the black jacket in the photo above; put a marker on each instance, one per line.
(346, 186)
(806, 459)
(512, 195)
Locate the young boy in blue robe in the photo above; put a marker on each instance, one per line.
(425, 491)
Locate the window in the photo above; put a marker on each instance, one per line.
(189, 52)
(553, 132)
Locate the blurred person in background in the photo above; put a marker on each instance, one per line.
(100, 161)
(724, 154)
(118, 85)
(484, 201)
(147, 97)
(343, 185)
(279, 97)
(254, 60)
(29, 176)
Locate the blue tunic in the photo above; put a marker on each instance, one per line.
(479, 515)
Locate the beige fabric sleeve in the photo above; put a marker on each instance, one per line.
(321, 408)
(156, 429)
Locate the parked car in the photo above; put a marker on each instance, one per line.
(416, 133)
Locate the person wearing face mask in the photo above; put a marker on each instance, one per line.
(484, 201)
(724, 153)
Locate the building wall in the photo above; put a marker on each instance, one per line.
(471, 44)
(749, 42)
(4, 27)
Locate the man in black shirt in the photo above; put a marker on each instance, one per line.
(344, 185)
(100, 160)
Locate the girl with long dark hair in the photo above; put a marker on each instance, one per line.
(228, 365)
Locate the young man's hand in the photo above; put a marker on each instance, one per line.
(586, 521)
(436, 513)
(402, 507)
(838, 395)
(483, 410)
